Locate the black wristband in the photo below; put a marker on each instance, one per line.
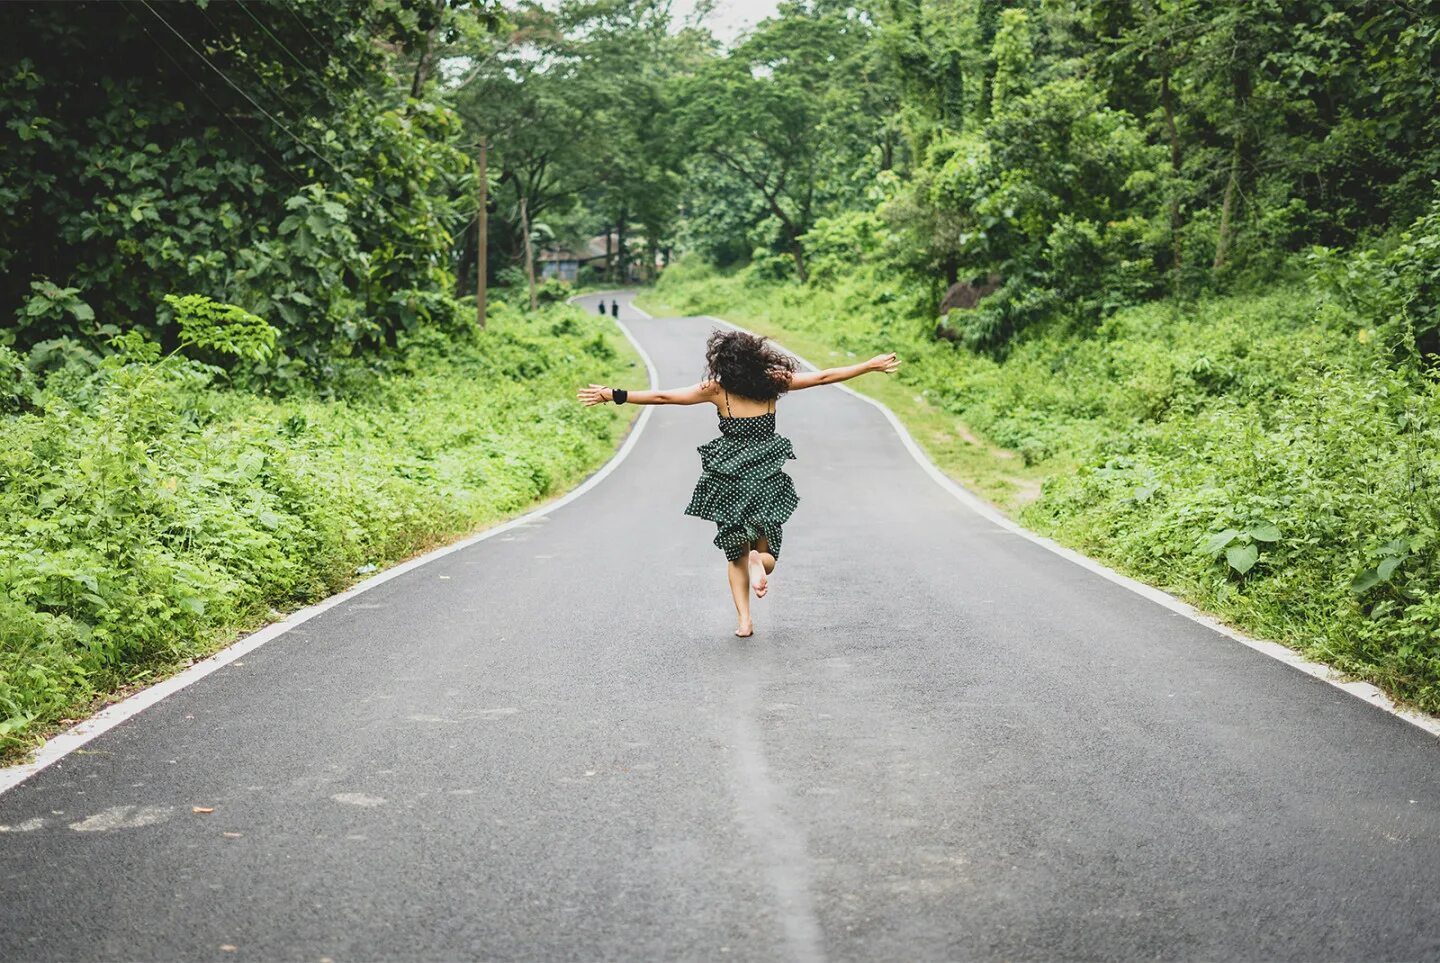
(619, 394)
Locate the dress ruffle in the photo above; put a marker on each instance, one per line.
(744, 457)
(738, 501)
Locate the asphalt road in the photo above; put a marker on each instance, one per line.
(943, 742)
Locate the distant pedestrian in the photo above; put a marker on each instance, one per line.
(742, 488)
(602, 307)
(615, 309)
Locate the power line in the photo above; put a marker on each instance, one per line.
(274, 94)
(290, 8)
(277, 161)
(275, 120)
(236, 87)
(268, 32)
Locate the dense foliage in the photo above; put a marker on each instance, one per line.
(576, 107)
(1079, 156)
(261, 154)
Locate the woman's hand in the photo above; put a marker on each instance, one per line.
(594, 395)
(887, 363)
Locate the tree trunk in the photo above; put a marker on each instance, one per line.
(797, 251)
(887, 149)
(529, 251)
(987, 20)
(422, 66)
(622, 257)
(1241, 80)
(482, 236)
(1167, 103)
(1227, 209)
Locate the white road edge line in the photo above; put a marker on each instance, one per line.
(1364, 691)
(111, 716)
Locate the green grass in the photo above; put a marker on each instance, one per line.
(1270, 422)
(149, 516)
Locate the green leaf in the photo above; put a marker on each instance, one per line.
(250, 463)
(1400, 547)
(1387, 567)
(1219, 540)
(1365, 581)
(1265, 532)
(193, 604)
(1242, 558)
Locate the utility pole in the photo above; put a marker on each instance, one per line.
(529, 251)
(482, 238)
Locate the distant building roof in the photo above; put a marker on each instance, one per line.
(591, 249)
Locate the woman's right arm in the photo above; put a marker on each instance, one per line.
(887, 363)
(693, 395)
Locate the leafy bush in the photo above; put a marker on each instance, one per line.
(147, 514)
(1393, 287)
(1052, 199)
(553, 291)
(17, 384)
(223, 328)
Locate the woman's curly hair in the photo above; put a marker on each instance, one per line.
(748, 366)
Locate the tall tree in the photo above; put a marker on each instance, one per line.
(574, 106)
(784, 115)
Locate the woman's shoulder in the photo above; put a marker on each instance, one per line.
(711, 391)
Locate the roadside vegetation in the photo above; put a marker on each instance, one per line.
(242, 366)
(149, 511)
(1166, 276)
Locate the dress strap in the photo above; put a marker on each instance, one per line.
(727, 403)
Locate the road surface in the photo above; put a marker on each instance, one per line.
(943, 743)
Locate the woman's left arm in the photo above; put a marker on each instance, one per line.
(887, 363)
(693, 395)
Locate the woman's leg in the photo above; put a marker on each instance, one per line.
(739, 571)
(762, 563)
(762, 545)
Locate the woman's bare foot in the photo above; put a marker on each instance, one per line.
(745, 630)
(759, 581)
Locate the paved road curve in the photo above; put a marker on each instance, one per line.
(943, 742)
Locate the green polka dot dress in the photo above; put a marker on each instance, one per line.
(742, 488)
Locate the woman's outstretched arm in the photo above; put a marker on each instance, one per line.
(693, 395)
(887, 363)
